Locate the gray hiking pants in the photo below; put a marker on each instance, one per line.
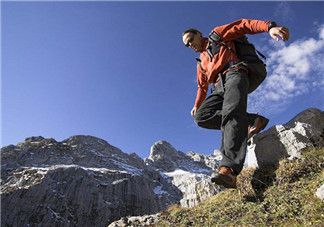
(225, 109)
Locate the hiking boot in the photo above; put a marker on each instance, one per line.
(257, 125)
(224, 176)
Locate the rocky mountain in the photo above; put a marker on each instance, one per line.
(190, 173)
(85, 181)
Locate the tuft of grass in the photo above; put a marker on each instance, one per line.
(282, 195)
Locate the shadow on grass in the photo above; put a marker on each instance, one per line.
(252, 183)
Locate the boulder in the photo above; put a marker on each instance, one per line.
(320, 192)
(286, 141)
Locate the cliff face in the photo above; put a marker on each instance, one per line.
(86, 180)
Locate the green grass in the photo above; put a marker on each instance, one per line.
(282, 195)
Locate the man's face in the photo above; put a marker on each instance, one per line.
(193, 41)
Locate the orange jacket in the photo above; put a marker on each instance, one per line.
(228, 33)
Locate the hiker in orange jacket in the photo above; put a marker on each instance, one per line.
(225, 108)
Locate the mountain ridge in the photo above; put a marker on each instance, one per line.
(85, 180)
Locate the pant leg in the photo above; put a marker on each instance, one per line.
(209, 114)
(234, 124)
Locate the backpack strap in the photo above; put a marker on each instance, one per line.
(199, 63)
(213, 37)
(259, 53)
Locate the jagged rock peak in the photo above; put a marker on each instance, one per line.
(73, 140)
(37, 139)
(34, 139)
(163, 149)
(165, 157)
(188, 172)
(87, 140)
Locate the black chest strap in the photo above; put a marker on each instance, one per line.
(199, 63)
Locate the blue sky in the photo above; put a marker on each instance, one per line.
(119, 70)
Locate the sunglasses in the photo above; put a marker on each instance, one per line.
(190, 41)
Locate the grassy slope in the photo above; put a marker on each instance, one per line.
(277, 196)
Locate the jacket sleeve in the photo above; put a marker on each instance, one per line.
(240, 27)
(202, 87)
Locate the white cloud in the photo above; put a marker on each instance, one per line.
(293, 70)
(321, 32)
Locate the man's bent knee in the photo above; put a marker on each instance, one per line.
(208, 124)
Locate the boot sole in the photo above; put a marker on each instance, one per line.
(221, 180)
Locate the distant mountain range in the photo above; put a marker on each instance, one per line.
(85, 181)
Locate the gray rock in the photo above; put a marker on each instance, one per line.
(190, 173)
(286, 141)
(166, 158)
(320, 192)
(80, 181)
(146, 220)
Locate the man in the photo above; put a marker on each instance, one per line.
(225, 108)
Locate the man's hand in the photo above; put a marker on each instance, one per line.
(277, 32)
(193, 111)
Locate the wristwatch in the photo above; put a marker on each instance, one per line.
(271, 25)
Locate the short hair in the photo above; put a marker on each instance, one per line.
(191, 30)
